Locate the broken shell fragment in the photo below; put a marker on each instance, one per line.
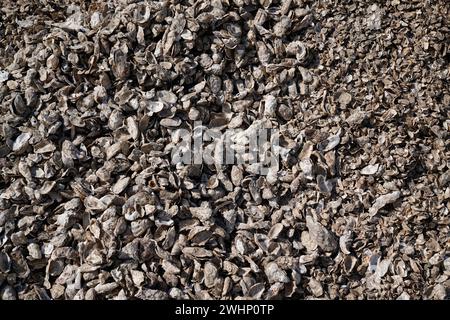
(275, 274)
(21, 142)
(370, 169)
(224, 150)
(384, 200)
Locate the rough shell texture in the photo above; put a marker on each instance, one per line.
(93, 95)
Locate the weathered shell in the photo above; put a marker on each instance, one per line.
(270, 105)
(21, 142)
(275, 231)
(114, 117)
(315, 287)
(344, 98)
(132, 128)
(285, 112)
(167, 97)
(94, 205)
(4, 75)
(384, 200)
(203, 213)
(120, 185)
(197, 252)
(170, 122)
(155, 106)
(275, 274)
(324, 238)
(8, 293)
(370, 169)
(236, 175)
(211, 273)
(309, 243)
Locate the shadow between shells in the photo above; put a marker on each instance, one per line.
(93, 93)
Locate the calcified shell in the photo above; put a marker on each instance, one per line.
(224, 150)
(270, 104)
(384, 200)
(274, 273)
(170, 122)
(94, 204)
(167, 97)
(155, 106)
(4, 75)
(345, 98)
(21, 142)
(319, 234)
(120, 185)
(370, 169)
(315, 287)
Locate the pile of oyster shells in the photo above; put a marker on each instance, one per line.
(92, 94)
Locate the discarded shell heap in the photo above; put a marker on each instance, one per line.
(91, 93)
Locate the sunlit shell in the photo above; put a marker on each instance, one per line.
(102, 109)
